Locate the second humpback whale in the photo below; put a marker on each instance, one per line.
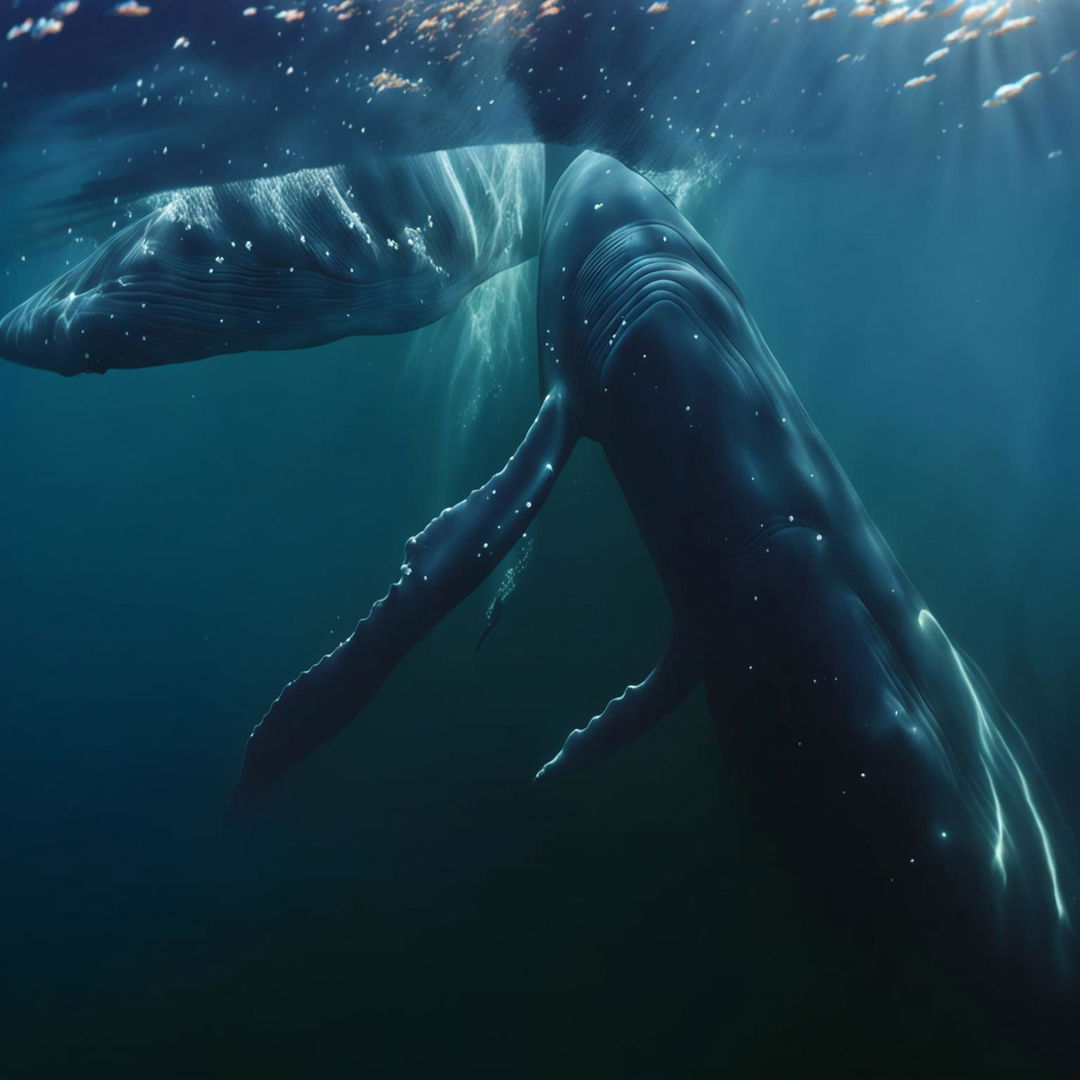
(894, 783)
(287, 262)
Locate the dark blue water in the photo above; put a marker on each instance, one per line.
(176, 543)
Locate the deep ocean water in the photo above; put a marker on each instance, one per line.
(177, 542)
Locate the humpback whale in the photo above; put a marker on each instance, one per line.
(874, 747)
(299, 196)
(890, 779)
(376, 247)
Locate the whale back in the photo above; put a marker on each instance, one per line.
(376, 247)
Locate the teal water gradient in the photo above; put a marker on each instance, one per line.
(177, 543)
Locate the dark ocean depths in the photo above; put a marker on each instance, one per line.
(176, 543)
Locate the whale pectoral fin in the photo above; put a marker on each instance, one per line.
(631, 714)
(449, 559)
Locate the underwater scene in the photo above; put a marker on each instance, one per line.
(571, 570)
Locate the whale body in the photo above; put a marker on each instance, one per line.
(895, 784)
(317, 113)
(876, 749)
(378, 247)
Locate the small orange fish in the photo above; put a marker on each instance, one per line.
(19, 29)
(1010, 25)
(891, 18)
(1010, 90)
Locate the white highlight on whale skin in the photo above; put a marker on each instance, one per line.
(997, 758)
